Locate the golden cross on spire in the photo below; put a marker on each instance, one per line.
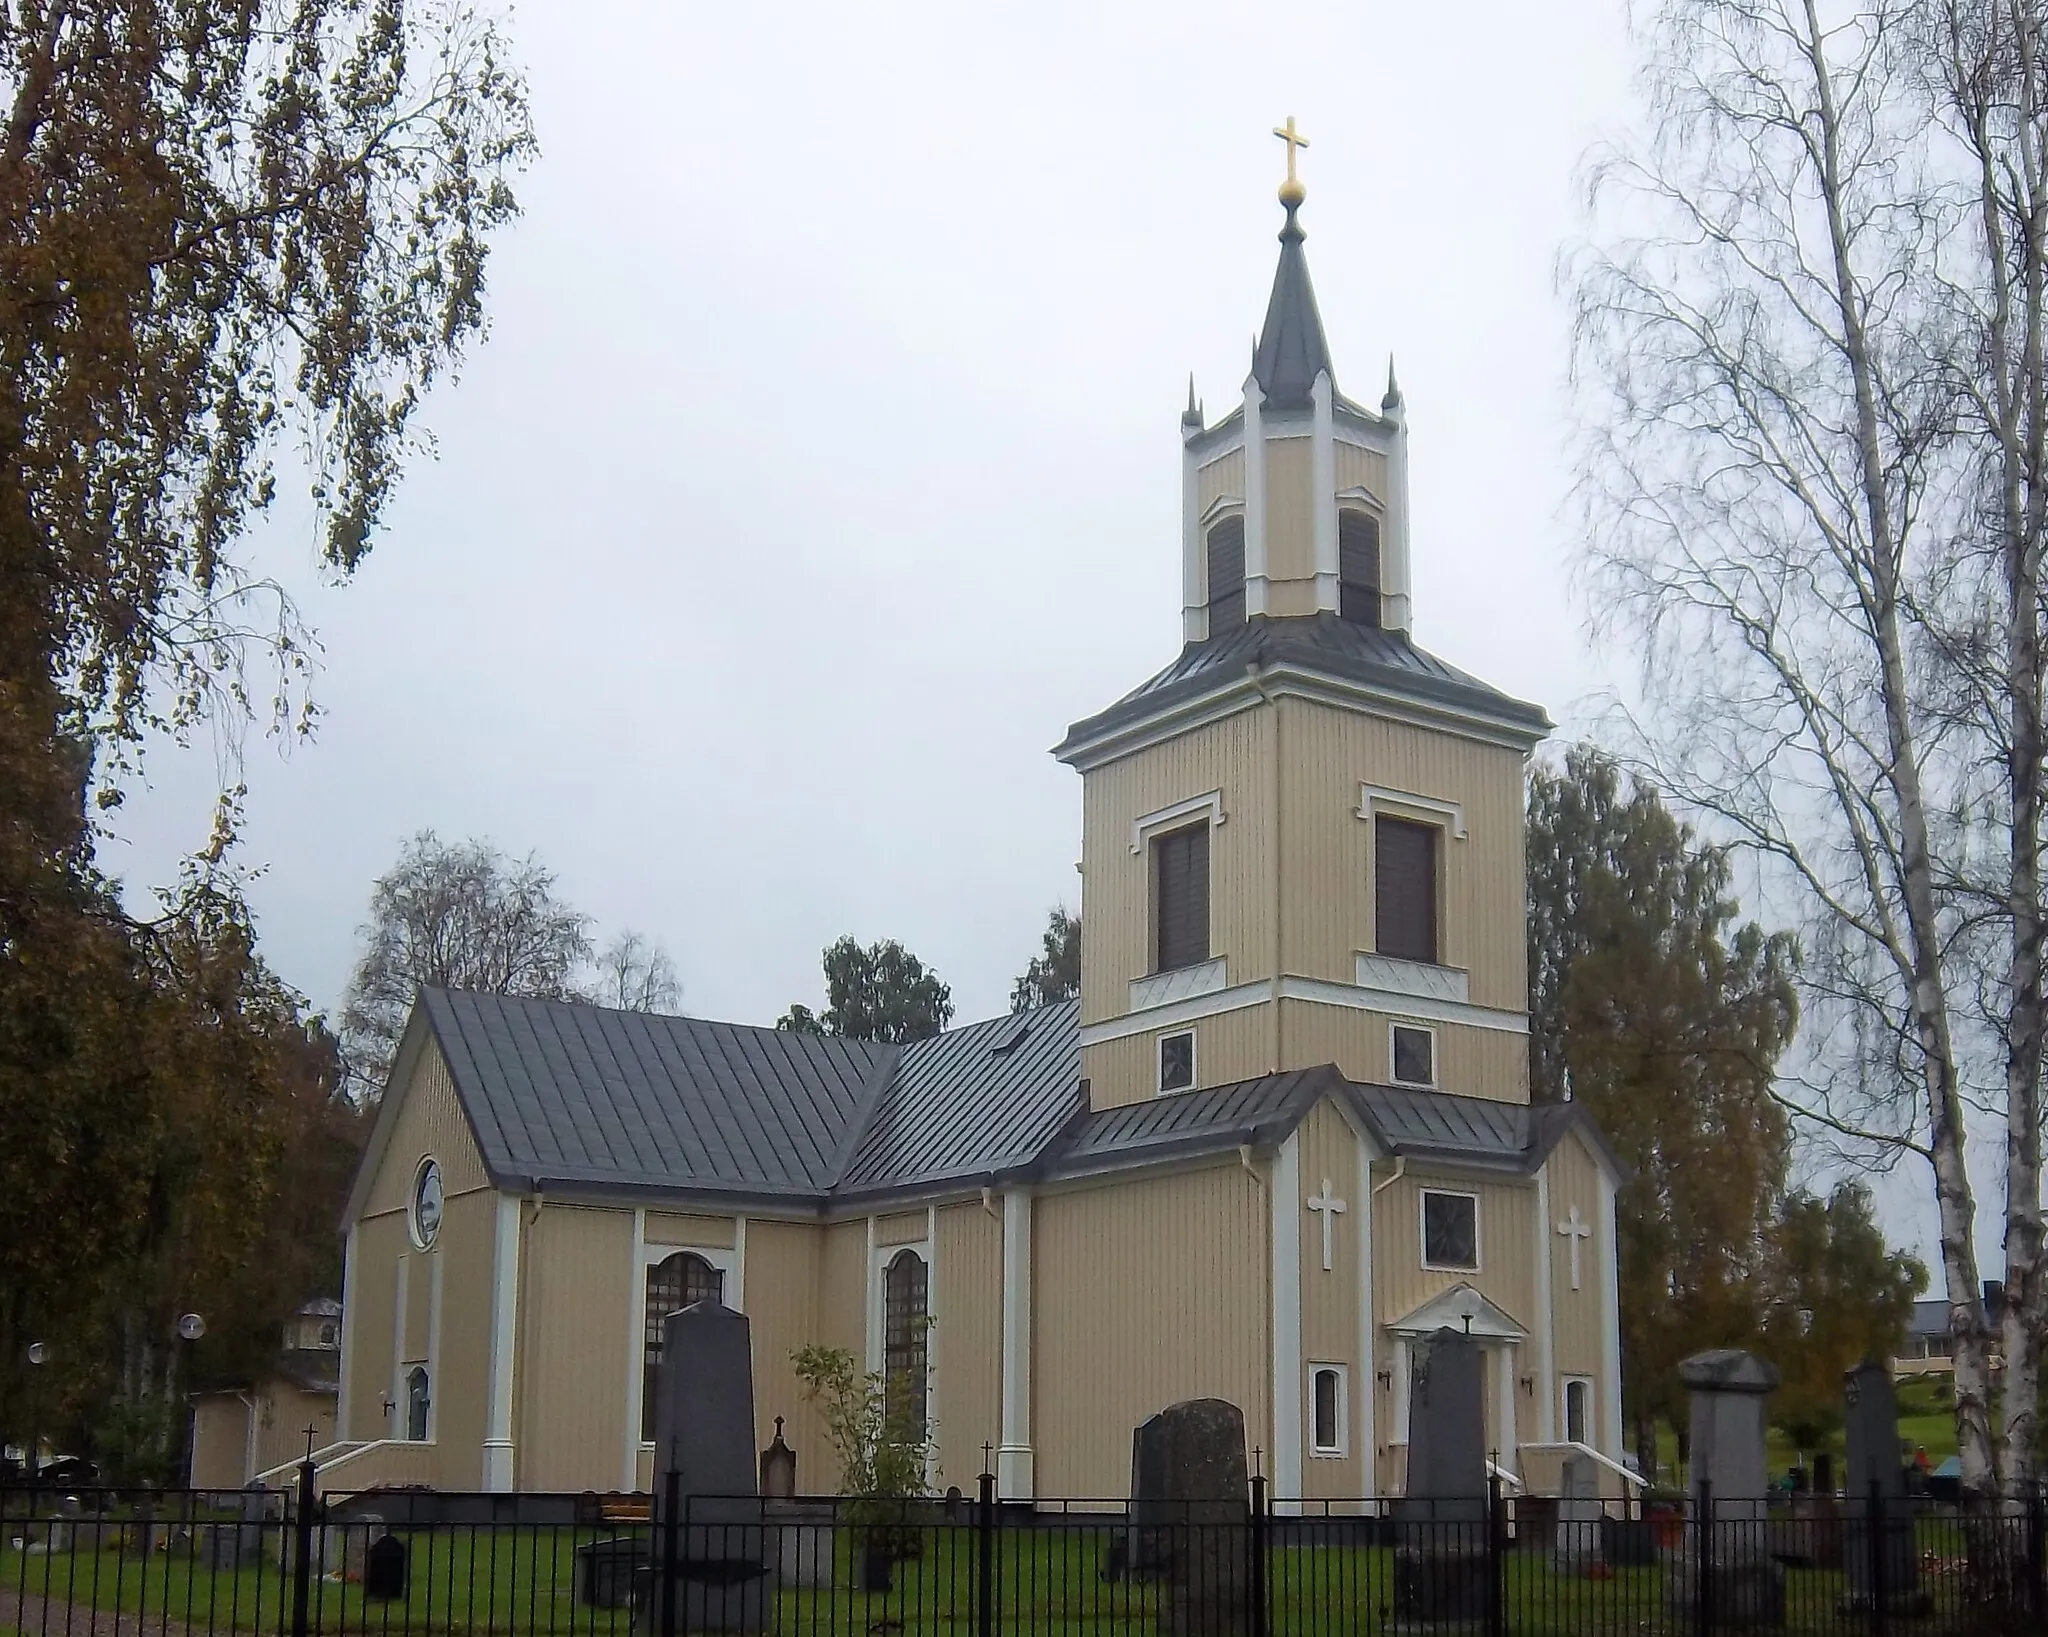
(1291, 190)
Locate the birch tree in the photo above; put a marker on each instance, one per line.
(1808, 342)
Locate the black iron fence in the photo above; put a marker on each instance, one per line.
(129, 1564)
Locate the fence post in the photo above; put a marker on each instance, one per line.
(1879, 1549)
(302, 1564)
(666, 1573)
(985, 1575)
(2037, 1561)
(1703, 1557)
(1261, 1615)
(1496, 1558)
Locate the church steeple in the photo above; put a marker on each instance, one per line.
(1292, 351)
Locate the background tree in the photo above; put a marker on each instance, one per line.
(462, 915)
(1054, 973)
(1653, 1008)
(1838, 1295)
(881, 992)
(1815, 403)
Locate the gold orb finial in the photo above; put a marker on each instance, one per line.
(1291, 191)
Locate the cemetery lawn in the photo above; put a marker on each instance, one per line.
(1927, 1420)
(522, 1581)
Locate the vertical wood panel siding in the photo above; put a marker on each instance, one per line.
(419, 1303)
(1328, 913)
(1290, 510)
(220, 1442)
(1574, 1180)
(373, 1297)
(1330, 1319)
(1118, 1268)
(429, 1121)
(1228, 1047)
(1361, 469)
(462, 1369)
(1234, 756)
(967, 1339)
(572, 1319)
(905, 1229)
(680, 1228)
(783, 1261)
(1469, 1062)
(1223, 476)
(1507, 1274)
(283, 1413)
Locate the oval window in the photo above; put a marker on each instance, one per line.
(426, 1205)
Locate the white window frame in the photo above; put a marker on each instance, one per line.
(1565, 1385)
(1394, 1079)
(422, 1367)
(1478, 1263)
(1341, 1449)
(1159, 1061)
(1179, 816)
(879, 1258)
(726, 1261)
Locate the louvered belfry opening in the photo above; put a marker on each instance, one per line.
(1180, 898)
(1226, 575)
(1404, 889)
(1358, 568)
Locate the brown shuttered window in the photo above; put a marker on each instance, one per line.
(1358, 568)
(1226, 576)
(1404, 889)
(1180, 898)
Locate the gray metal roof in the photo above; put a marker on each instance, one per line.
(579, 1098)
(1292, 350)
(974, 1101)
(1930, 1317)
(1318, 642)
(583, 1095)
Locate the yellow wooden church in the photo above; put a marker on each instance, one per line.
(1283, 1131)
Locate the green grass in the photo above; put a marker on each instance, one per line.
(504, 1581)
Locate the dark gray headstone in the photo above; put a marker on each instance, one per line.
(1191, 1514)
(385, 1568)
(704, 1432)
(1878, 1555)
(1730, 1482)
(1441, 1544)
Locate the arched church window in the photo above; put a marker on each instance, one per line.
(418, 1402)
(906, 1303)
(671, 1286)
(1225, 544)
(1358, 567)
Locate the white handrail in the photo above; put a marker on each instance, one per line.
(318, 1457)
(1627, 1474)
(1504, 1475)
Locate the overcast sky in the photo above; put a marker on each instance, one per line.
(823, 462)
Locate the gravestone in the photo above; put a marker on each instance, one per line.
(1886, 1566)
(1746, 1586)
(803, 1536)
(704, 1432)
(1191, 1517)
(1580, 1518)
(1441, 1546)
(385, 1568)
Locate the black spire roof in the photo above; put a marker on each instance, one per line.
(1292, 351)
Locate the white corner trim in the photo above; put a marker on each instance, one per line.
(1374, 797)
(1323, 478)
(1014, 1461)
(1425, 980)
(636, 1351)
(1368, 1377)
(1192, 591)
(1210, 803)
(1359, 491)
(1395, 1004)
(435, 1276)
(350, 1270)
(1289, 1430)
(498, 1449)
(396, 1399)
(736, 1277)
(1546, 1317)
(1610, 1324)
(1254, 500)
(1178, 1012)
(1182, 983)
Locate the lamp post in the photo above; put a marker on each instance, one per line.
(191, 1327)
(38, 1356)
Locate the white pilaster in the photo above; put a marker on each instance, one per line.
(736, 1281)
(1397, 605)
(1014, 1459)
(1254, 500)
(1287, 1363)
(1608, 1274)
(1544, 1341)
(394, 1417)
(436, 1267)
(1194, 590)
(1368, 1377)
(350, 1269)
(504, 1345)
(636, 1355)
(1323, 476)
(872, 1306)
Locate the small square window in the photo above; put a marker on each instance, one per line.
(1414, 1056)
(1450, 1230)
(1177, 1061)
(1329, 1410)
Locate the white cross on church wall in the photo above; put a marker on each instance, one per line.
(1329, 1208)
(1577, 1232)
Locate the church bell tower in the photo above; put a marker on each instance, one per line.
(1302, 840)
